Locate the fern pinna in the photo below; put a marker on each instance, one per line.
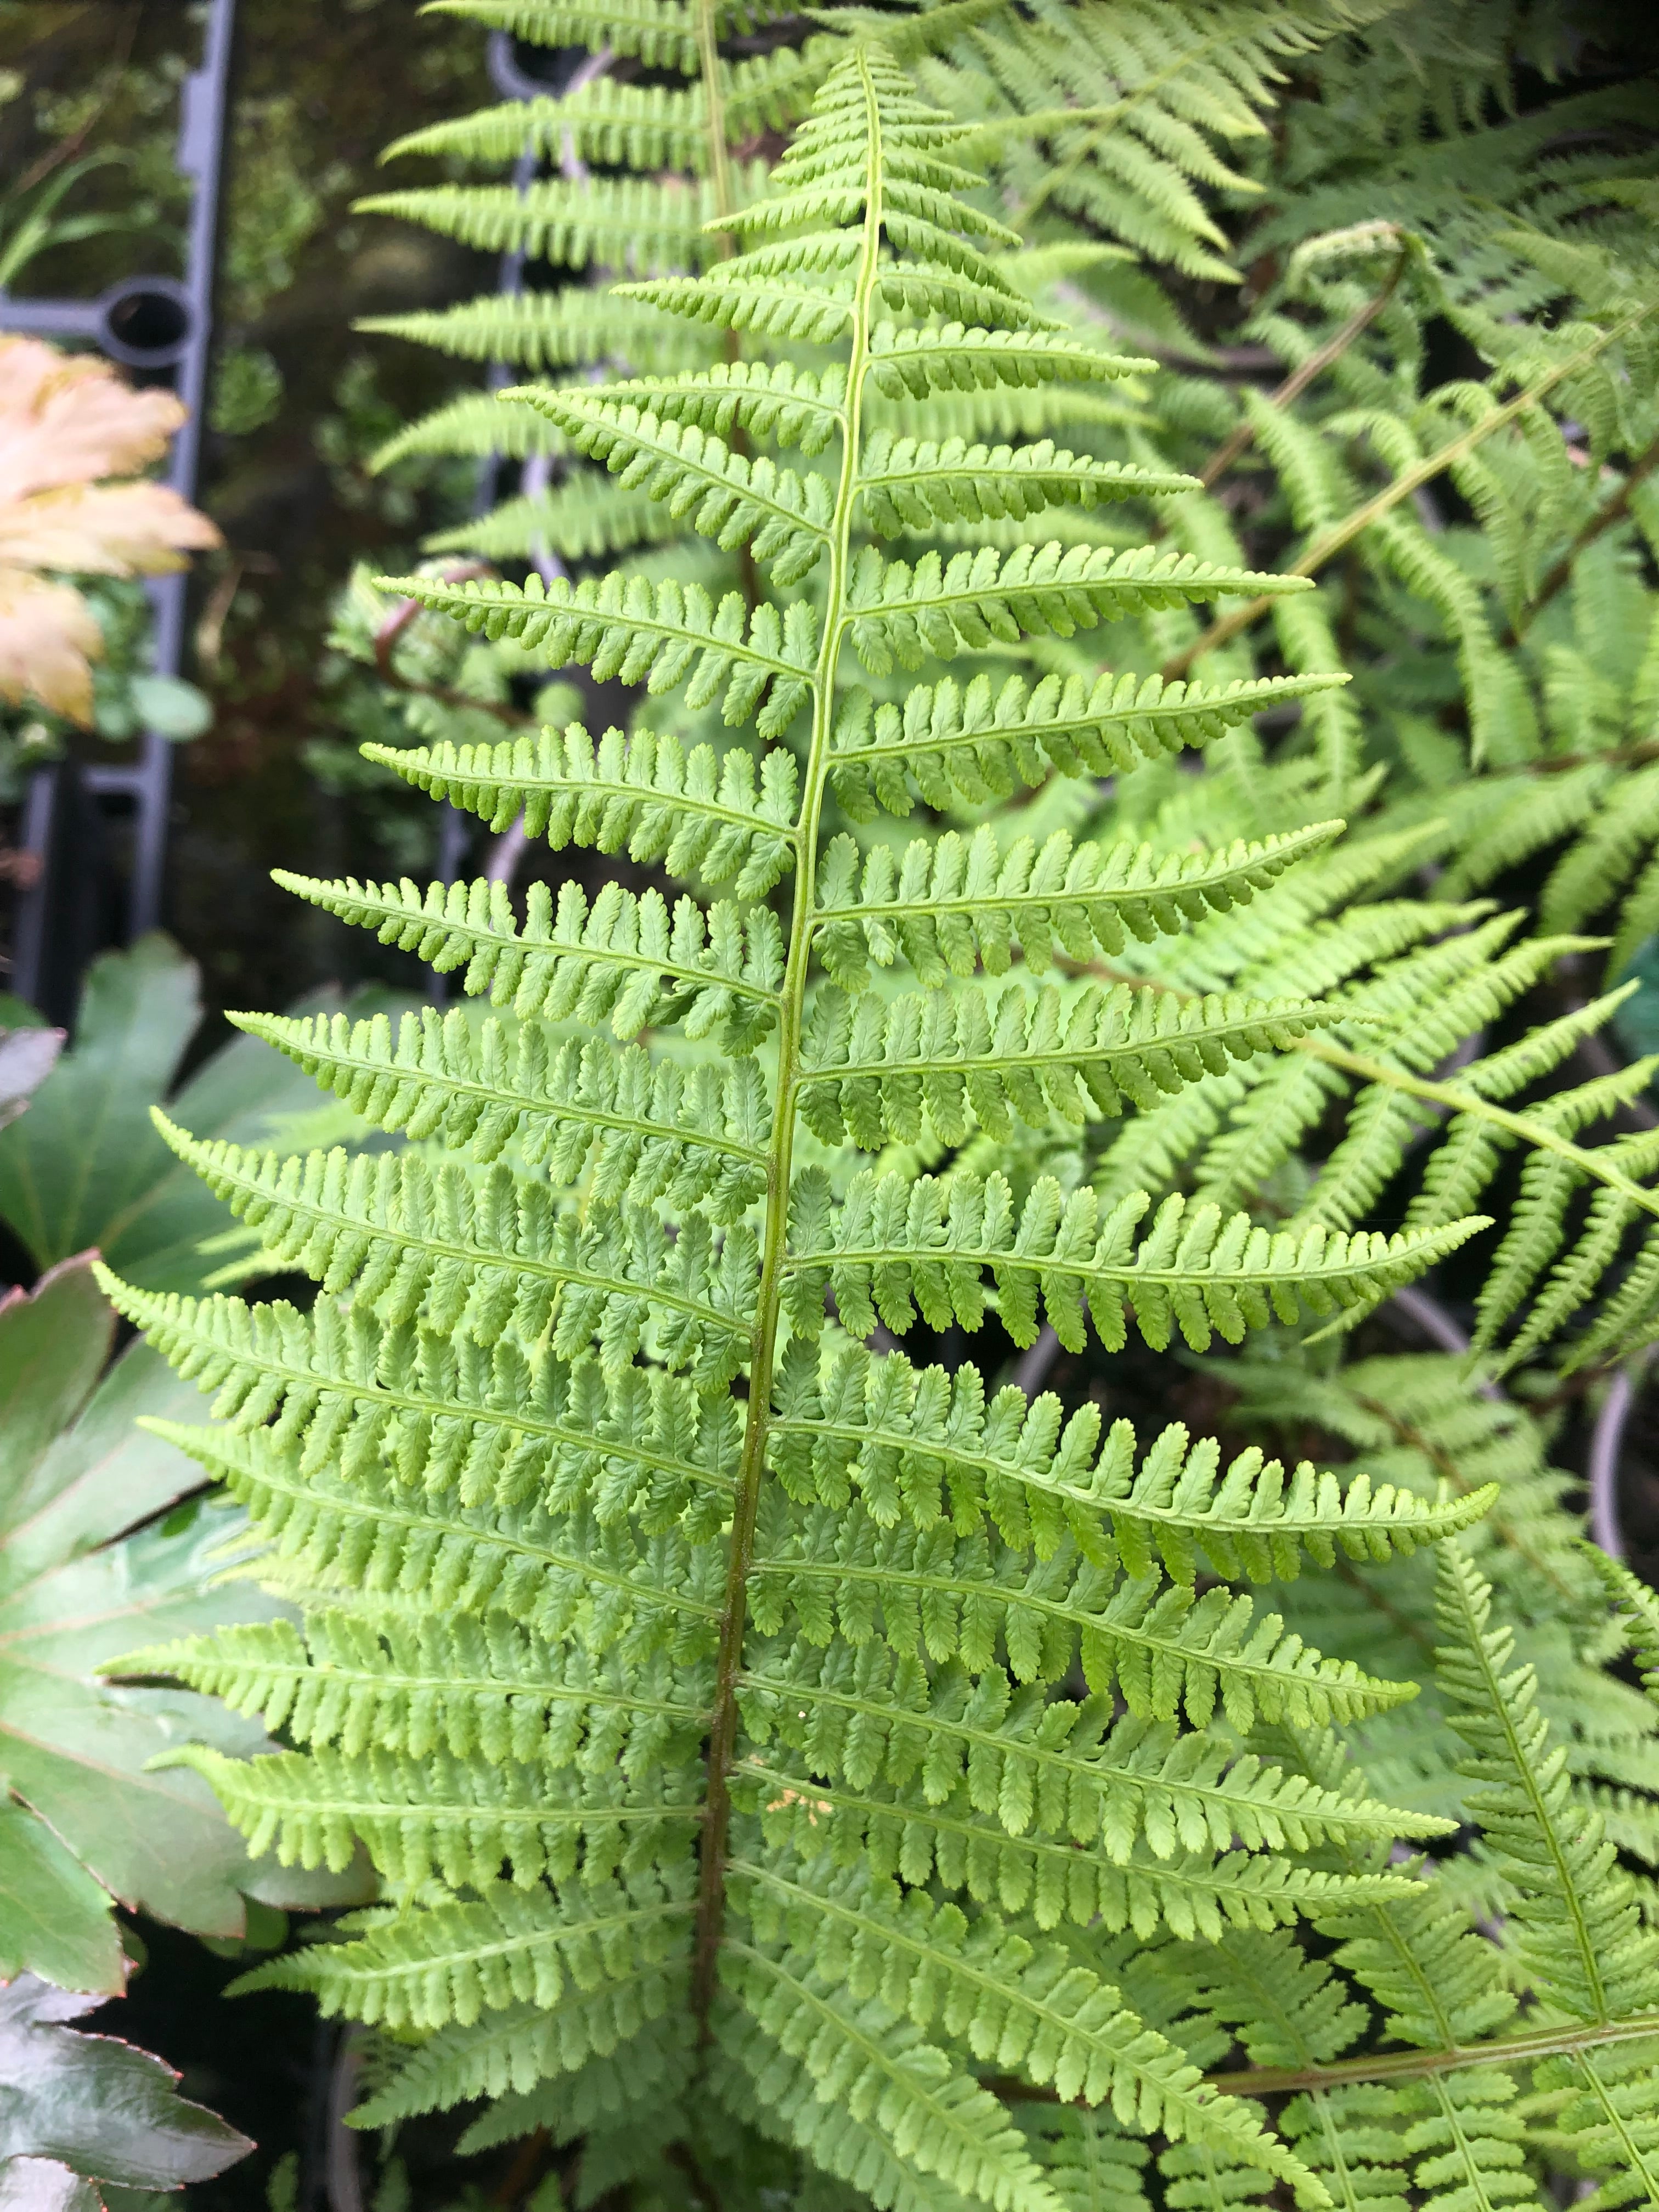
(763, 1740)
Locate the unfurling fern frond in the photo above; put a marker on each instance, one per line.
(716, 1691)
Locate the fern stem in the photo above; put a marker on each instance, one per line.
(1425, 2065)
(1240, 440)
(1455, 1101)
(1611, 511)
(723, 1724)
(714, 92)
(1386, 2065)
(1331, 542)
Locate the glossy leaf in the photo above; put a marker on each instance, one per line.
(94, 2105)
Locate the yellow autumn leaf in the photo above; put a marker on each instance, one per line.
(48, 640)
(68, 418)
(67, 422)
(104, 530)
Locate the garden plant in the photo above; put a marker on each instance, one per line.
(920, 1480)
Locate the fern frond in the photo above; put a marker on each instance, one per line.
(918, 1444)
(619, 222)
(425, 1966)
(579, 520)
(647, 1130)
(903, 614)
(976, 742)
(914, 484)
(484, 1688)
(1576, 1924)
(474, 425)
(893, 1247)
(935, 1595)
(662, 32)
(534, 330)
(934, 2114)
(563, 1577)
(511, 2052)
(874, 1068)
(456, 1820)
(662, 634)
(958, 357)
(792, 406)
(617, 126)
(784, 519)
(1191, 1893)
(949, 906)
(1042, 1766)
(481, 1257)
(1640, 1609)
(698, 813)
(795, 1732)
(625, 956)
(1036, 2009)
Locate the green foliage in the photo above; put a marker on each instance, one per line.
(797, 1766)
(89, 1171)
(83, 2112)
(85, 1821)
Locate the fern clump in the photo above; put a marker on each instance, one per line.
(780, 1757)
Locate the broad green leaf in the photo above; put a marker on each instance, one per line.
(76, 1472)
(25, 1060)
(89, 1171)
(53, 1915)
(95, 2104)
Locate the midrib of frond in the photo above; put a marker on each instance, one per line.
(1635, 2157)
(1425, 2065)
(723, 1727)
(1477, 2193)
(1338, 2177)
(1086, 1267)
